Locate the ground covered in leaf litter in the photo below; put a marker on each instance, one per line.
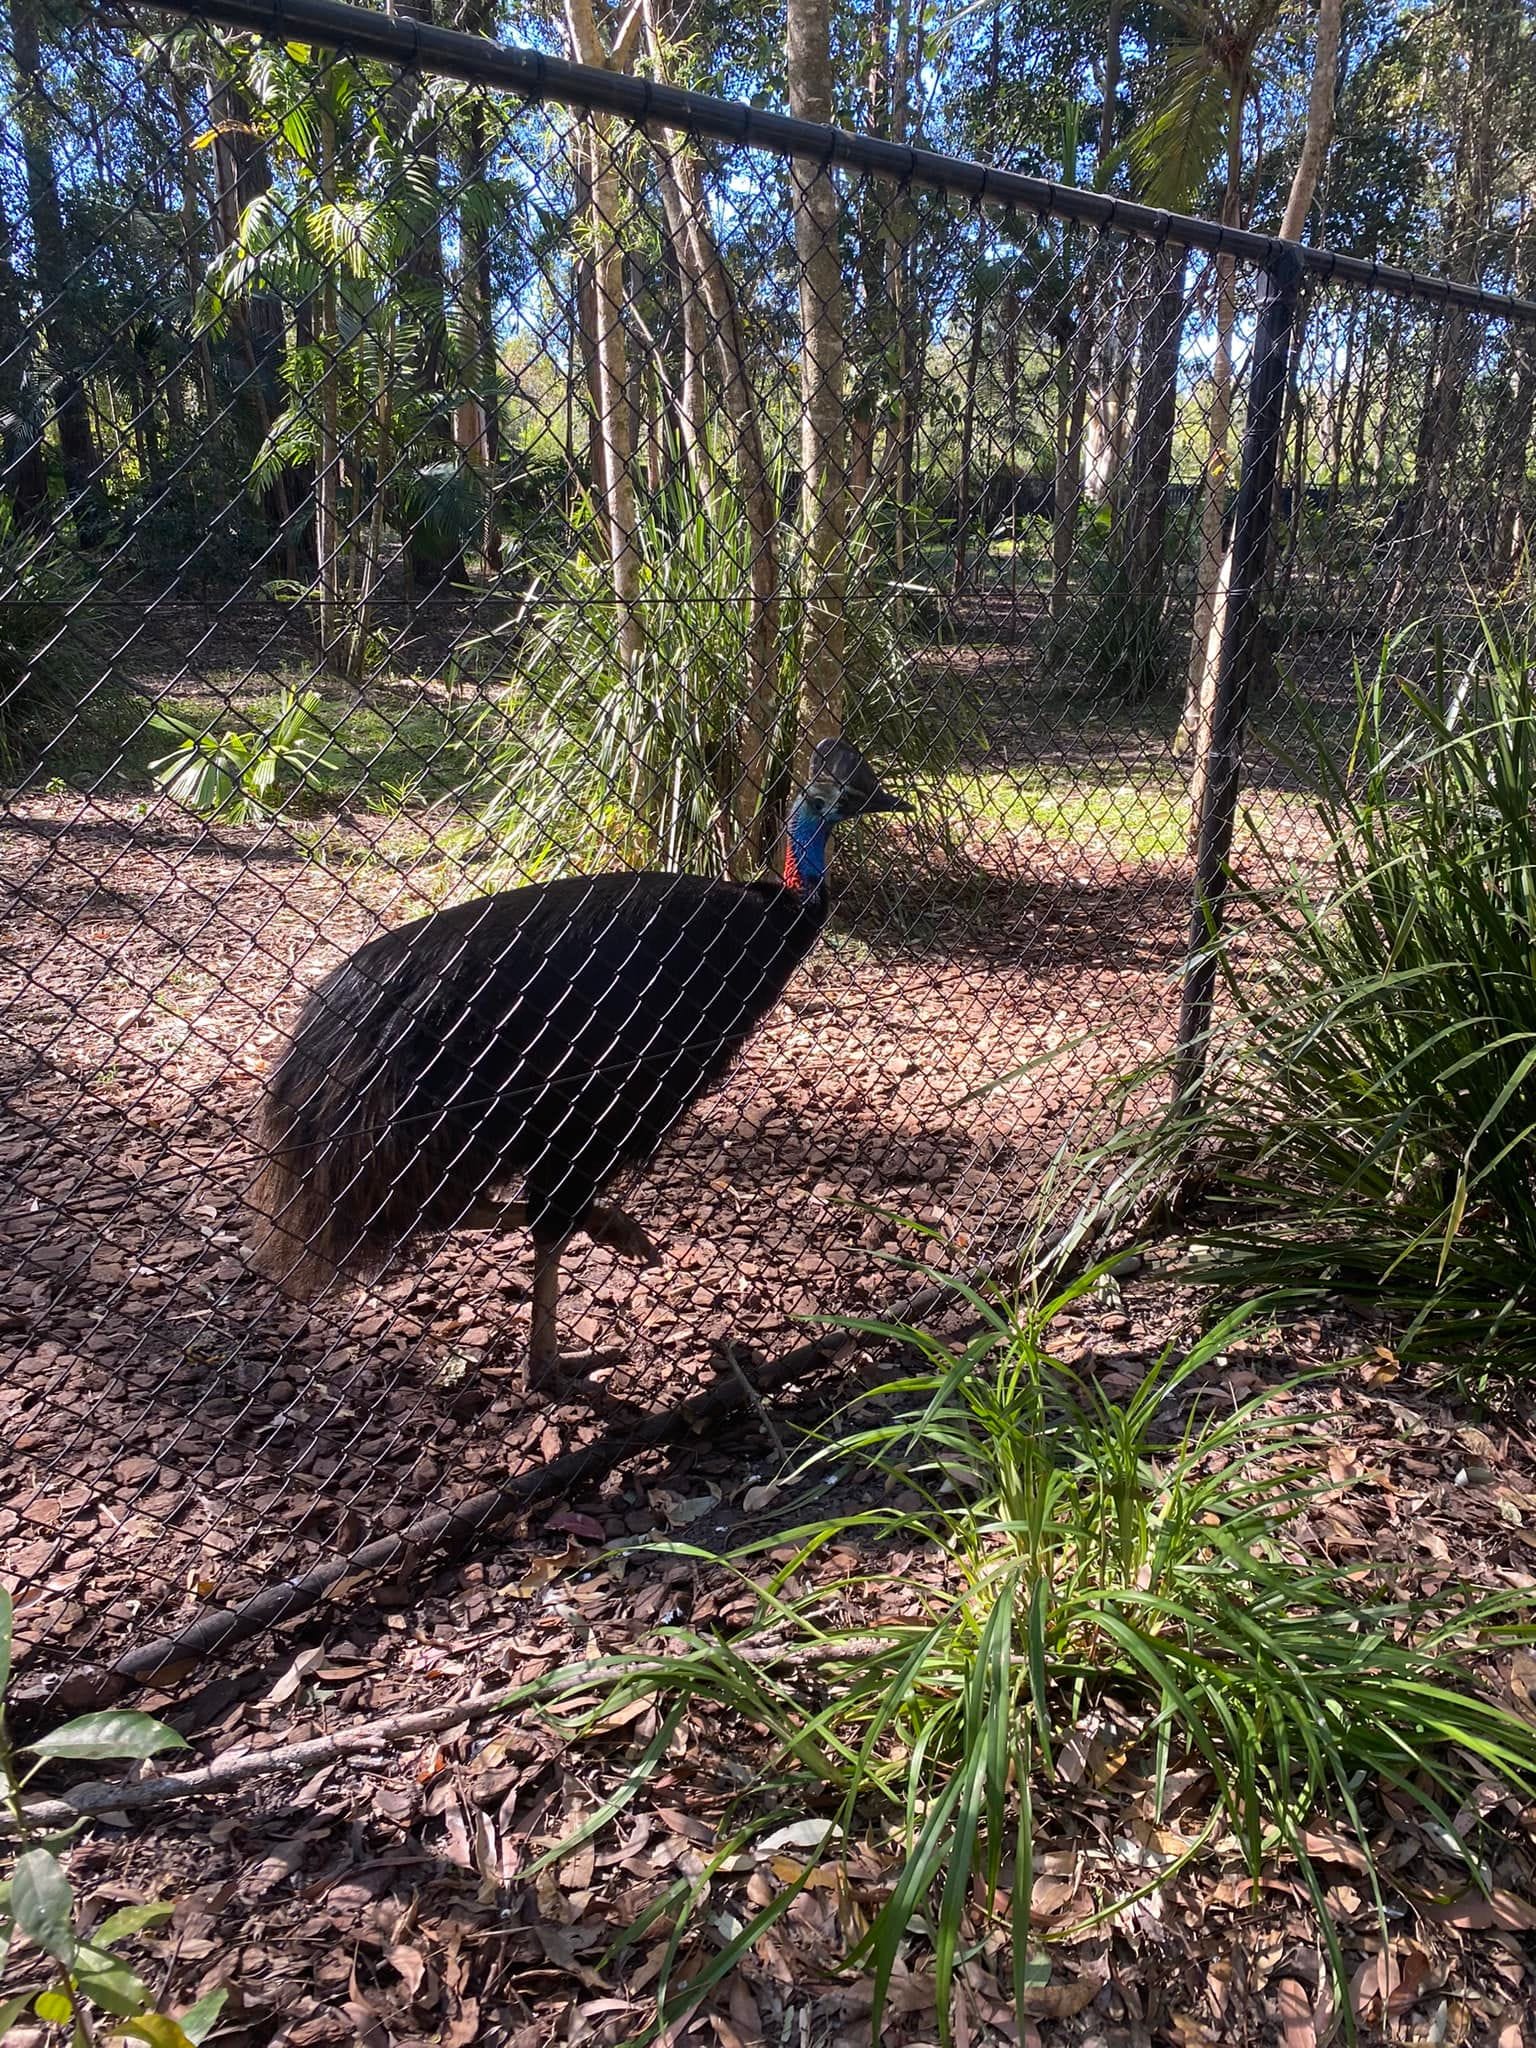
(381, 1902)
(180, 1438)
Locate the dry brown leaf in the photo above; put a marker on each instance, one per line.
(1188, 2031)
(1414, 1979)
(569, 1523)
(1473, 1911)
(1331, 1848)
(1062, 2001)
(410, 1965)
(1297, 2025)
(463, 2030)
(1049, 1895)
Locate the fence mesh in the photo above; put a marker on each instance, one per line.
(413, 491)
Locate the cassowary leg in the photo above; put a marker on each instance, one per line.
(622, 1234)
(543, 1368)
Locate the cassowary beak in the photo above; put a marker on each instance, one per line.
(877, 800)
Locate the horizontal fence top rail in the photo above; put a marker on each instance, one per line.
(398, 39)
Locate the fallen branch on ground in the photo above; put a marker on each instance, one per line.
(88, 1801)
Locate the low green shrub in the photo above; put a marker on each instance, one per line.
(241, 777)
(49, 652)
(76, 1980)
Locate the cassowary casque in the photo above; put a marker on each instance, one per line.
(551, 1035)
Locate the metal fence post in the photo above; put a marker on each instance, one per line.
(1252, 523)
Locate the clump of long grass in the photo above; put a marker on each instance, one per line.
(1369, 1124)
(1066, 1560)
(598, 760)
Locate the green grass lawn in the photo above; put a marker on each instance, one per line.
(1142, 819)
(395, 747)
(403, 744)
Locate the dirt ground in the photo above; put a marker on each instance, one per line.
(180, 1437)
(380, 1900)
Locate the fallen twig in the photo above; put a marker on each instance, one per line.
(238, 1769)
(87, 1801)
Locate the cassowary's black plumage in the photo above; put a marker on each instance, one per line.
(548, 1036)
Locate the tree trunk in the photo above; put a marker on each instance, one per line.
(708, 282)
(480, 426)
(1211, 618)
(194, 239)
(1113, 28)
(242, 175)
(421, 280)
(614, 432)
(328, 442)
(871, 316)
(23, 451)
(81, 462)
(1509, 516)
(824, 484)
(1150, 463)
(973, 358)
(968, 411)
(584, 326)
(1075, 369)
(1319, 130)
(684, 253)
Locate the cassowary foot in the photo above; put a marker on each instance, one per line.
(622, 1234)
(551, 1372)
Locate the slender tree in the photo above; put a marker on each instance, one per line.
(84, 477)
(823, 434)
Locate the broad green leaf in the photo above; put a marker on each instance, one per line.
(12, 2009)
(53, 2006)
(160, 2030)
(43, 1905)
(110, 1983)
(116, 1732)
(129, 1919)
(198, 2021)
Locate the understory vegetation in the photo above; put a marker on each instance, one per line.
(1068, 1592)
(1368, 1120)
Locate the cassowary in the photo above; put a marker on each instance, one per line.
(550, 1035)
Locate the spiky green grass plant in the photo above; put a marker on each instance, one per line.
(1370, 1119)
(1068, 1555)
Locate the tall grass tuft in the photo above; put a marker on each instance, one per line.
(594, 763)
(1065, 1585)
(1370, 1120)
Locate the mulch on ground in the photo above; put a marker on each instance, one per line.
(382, 1900)
(179, 1437)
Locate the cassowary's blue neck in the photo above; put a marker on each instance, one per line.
(805, 857)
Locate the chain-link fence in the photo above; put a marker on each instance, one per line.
(431, 469)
